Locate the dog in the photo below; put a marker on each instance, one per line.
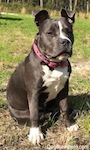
(44, 74)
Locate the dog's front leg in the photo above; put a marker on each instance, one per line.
(35, 136)
(63, 104)
(65, 110)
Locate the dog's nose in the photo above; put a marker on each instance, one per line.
(64, 41)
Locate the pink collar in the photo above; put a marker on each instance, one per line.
(49, 63)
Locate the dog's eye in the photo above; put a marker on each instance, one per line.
(68, 30)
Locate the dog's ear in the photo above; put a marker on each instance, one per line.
(40, 17)
(69, 15)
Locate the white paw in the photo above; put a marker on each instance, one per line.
(72, 128)
(35, 135)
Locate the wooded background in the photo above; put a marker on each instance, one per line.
(78, 5)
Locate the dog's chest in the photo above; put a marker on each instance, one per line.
(54, 81)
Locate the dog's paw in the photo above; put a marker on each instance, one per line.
(72, 128)
(35, 136)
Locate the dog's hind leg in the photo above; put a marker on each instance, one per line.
(21, 116)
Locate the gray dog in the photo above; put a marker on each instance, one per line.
(44, 74)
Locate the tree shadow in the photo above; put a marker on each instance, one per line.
(10, 18)
(77, 104)
(80, 102)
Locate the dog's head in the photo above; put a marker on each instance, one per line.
(55, 37)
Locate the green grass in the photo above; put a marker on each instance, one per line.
(82, 39)
(16, 37)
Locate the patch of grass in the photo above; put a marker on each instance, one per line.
(4, 75)
(85, 122)
(16, 7)
(16, 36)
(82, 82)
(82, 38)
(17, 33)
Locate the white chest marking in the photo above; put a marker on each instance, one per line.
(54, 80)
(61, 33)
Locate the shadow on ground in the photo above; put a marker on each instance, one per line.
(10, 18)
(80, 102)
(77, 104)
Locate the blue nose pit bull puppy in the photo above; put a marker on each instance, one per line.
(44, 74)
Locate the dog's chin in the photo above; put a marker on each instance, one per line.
(62, 57)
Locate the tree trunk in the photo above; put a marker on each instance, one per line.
(7, 1)
(70, 5)
(75, 4)
(52, 1)
(87, 6)
(41, 3)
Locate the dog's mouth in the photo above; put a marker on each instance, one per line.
(64, 56)
(61, 57)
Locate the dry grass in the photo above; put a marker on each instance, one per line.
(83, 15)
(14, 136)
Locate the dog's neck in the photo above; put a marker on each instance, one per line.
(51, 64)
